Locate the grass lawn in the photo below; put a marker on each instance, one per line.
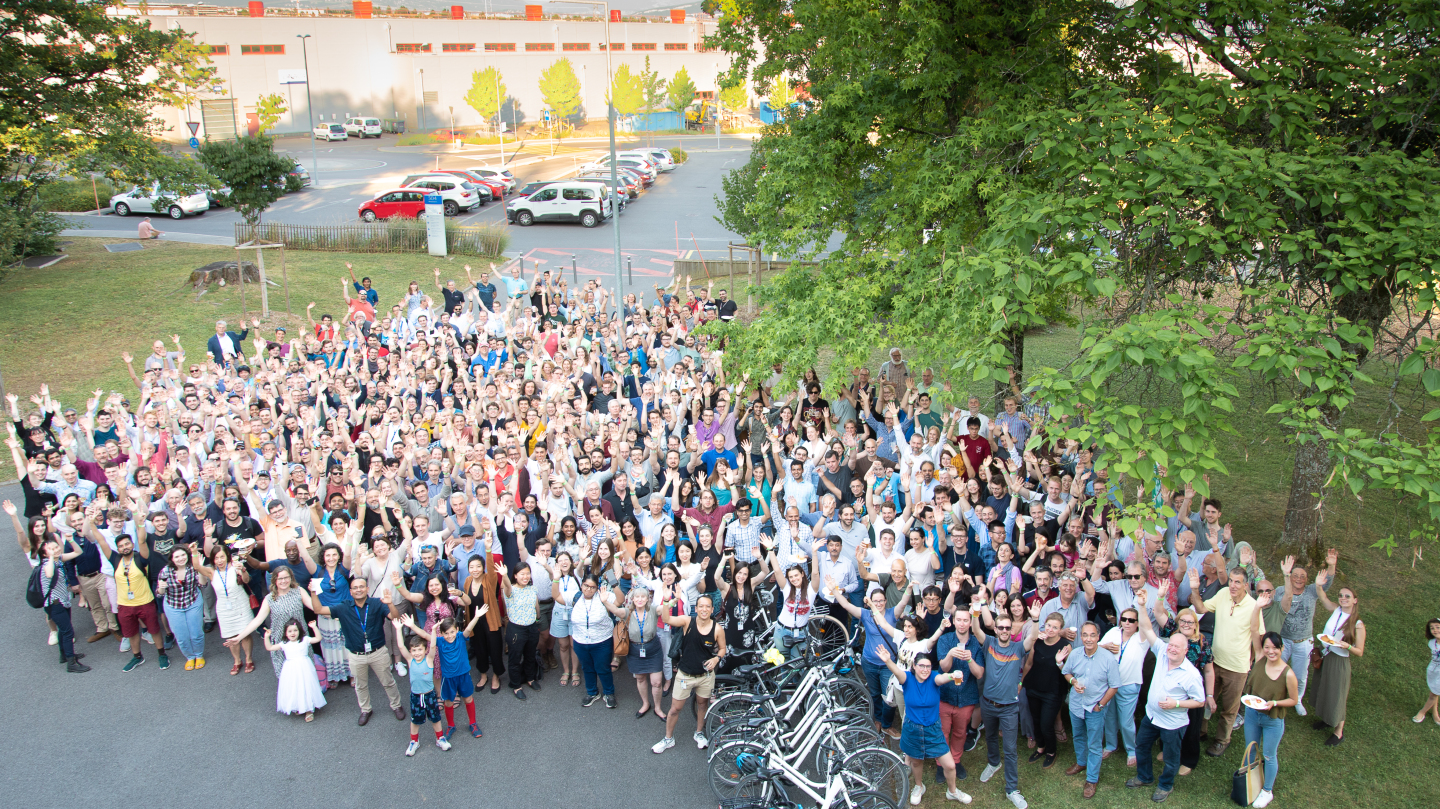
(67, 326)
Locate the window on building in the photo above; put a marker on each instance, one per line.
(539, 46)
(676, 46)
(614, 46)
(575, 46)
(642, 46)
(496, 47)
(267, 50)
(705, 95)
(217, 50)
(457, 47)
(412, 47)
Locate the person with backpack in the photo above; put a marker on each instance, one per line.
(48, 589)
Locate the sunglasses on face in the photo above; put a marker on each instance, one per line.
(1134, 576)
(1128, 621)
(1003, 627)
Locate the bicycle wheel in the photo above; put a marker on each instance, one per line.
(842, 742)
(729, 708)
(851, 694)
(866, 799)
(879, 770)
(730, 684)
(733, 764)
(826, 636)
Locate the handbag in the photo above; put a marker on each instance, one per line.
(1316, 656)
(1250, 778)
(677, 643)
(622, 637)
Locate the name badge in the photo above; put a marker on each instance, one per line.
(642, 650)
(368, 650)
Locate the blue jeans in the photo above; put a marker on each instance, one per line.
(1297, 655)
(877, 677)
(1003, 721)
(787, 644)
(1089, 729)
(1259, 727)
(1120, 719)
(595, 665)
(187, 625)
(1145, 739)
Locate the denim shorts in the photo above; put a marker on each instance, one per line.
(424, 707)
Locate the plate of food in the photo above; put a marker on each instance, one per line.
(242, 545)
(1252, 701)
(1327, 640)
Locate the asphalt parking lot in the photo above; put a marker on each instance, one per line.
(677, 213)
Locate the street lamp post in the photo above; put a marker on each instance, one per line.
(310, 113)
(614, 169)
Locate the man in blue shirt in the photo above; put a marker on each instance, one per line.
(363, 288)
(959, 653)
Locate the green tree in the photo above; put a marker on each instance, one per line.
(78, 90)
(252, 170)
(735, 97)
(627, 94)
(560, 89)
(270, 109)
(781, 94)
(487, 93)
(681, 92)
(652, 91)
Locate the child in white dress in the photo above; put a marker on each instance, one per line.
(299, 688)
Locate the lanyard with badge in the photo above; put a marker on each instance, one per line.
(364, 616)
(640, 620)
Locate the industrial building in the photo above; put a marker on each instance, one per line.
(411, 67)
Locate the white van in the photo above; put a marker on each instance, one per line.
(570, 201)
(363, 127)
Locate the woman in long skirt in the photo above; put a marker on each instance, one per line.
(330, 583)
(1347, 631)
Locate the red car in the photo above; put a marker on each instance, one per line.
(497, 188)
(408, 203)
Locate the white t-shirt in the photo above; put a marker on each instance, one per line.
(796, 612)
(1131, 658)
(917, 564)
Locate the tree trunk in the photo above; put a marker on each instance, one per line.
(1304, 508)
(1015, 344)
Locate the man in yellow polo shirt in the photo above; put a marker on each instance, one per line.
(132, 590)
(1234, 611)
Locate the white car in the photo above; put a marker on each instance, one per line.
(363, 127)
(153, 200)
(458, 193)
(329, 132)
(641, 166)
(572, 201)
(500, 176)
(659, 158)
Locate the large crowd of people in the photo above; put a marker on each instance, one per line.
(491, 481)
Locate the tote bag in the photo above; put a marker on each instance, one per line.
(1250, 778)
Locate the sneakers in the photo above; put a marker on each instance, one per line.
(400, 668)
(589, 699)
(54, 637)
(1263, 799)
(443, 744)
(1160, 795)
(135, 662)
(960, 773)
(916, 793)
(1017, 799)
(164, 661)
(989, 772)
(449, 731)
(145, 636)
(700, 740)
(1136, 783)
(124, 644)
(609, 700)
(972, 738)
(412, 747)
(957, 795)
(663, 745)
(475, 730)
(169, 640)
(1300, 709)
(1239, 720)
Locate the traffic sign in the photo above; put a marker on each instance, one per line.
(194, 127)
(194, 143)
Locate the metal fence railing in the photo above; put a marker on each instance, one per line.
(392, 236)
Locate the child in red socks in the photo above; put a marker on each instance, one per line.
(423, 704)
(455, 681)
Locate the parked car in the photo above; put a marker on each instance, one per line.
(640, 165)
(219, 197)
(604, 186)
(531, 188)
(363, 127)
(660, 158)
(153, 200)
(488, 189)
(299, 172)
(498, 175)
(329, 132)
(407, 203)
(625, 184)
(459, 193)
(567, 201)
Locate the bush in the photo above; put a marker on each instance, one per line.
(75, 196)
(680, 155)
(390, 236)
(27, 231)
(293, 184)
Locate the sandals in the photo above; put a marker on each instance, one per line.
(249, 667)
(575, 680)
(614, 663)
(235, 669)
(310, 717)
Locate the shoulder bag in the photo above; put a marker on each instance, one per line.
(1250, 778)
(622, 636)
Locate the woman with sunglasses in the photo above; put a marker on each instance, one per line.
(1332, 688)
(1128, 646)
(1188, 624)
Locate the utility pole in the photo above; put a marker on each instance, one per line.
(310, 113)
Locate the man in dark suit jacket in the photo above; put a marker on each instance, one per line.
(226, 347)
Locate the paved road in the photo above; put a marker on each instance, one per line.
(677, 212)
(107, 738)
